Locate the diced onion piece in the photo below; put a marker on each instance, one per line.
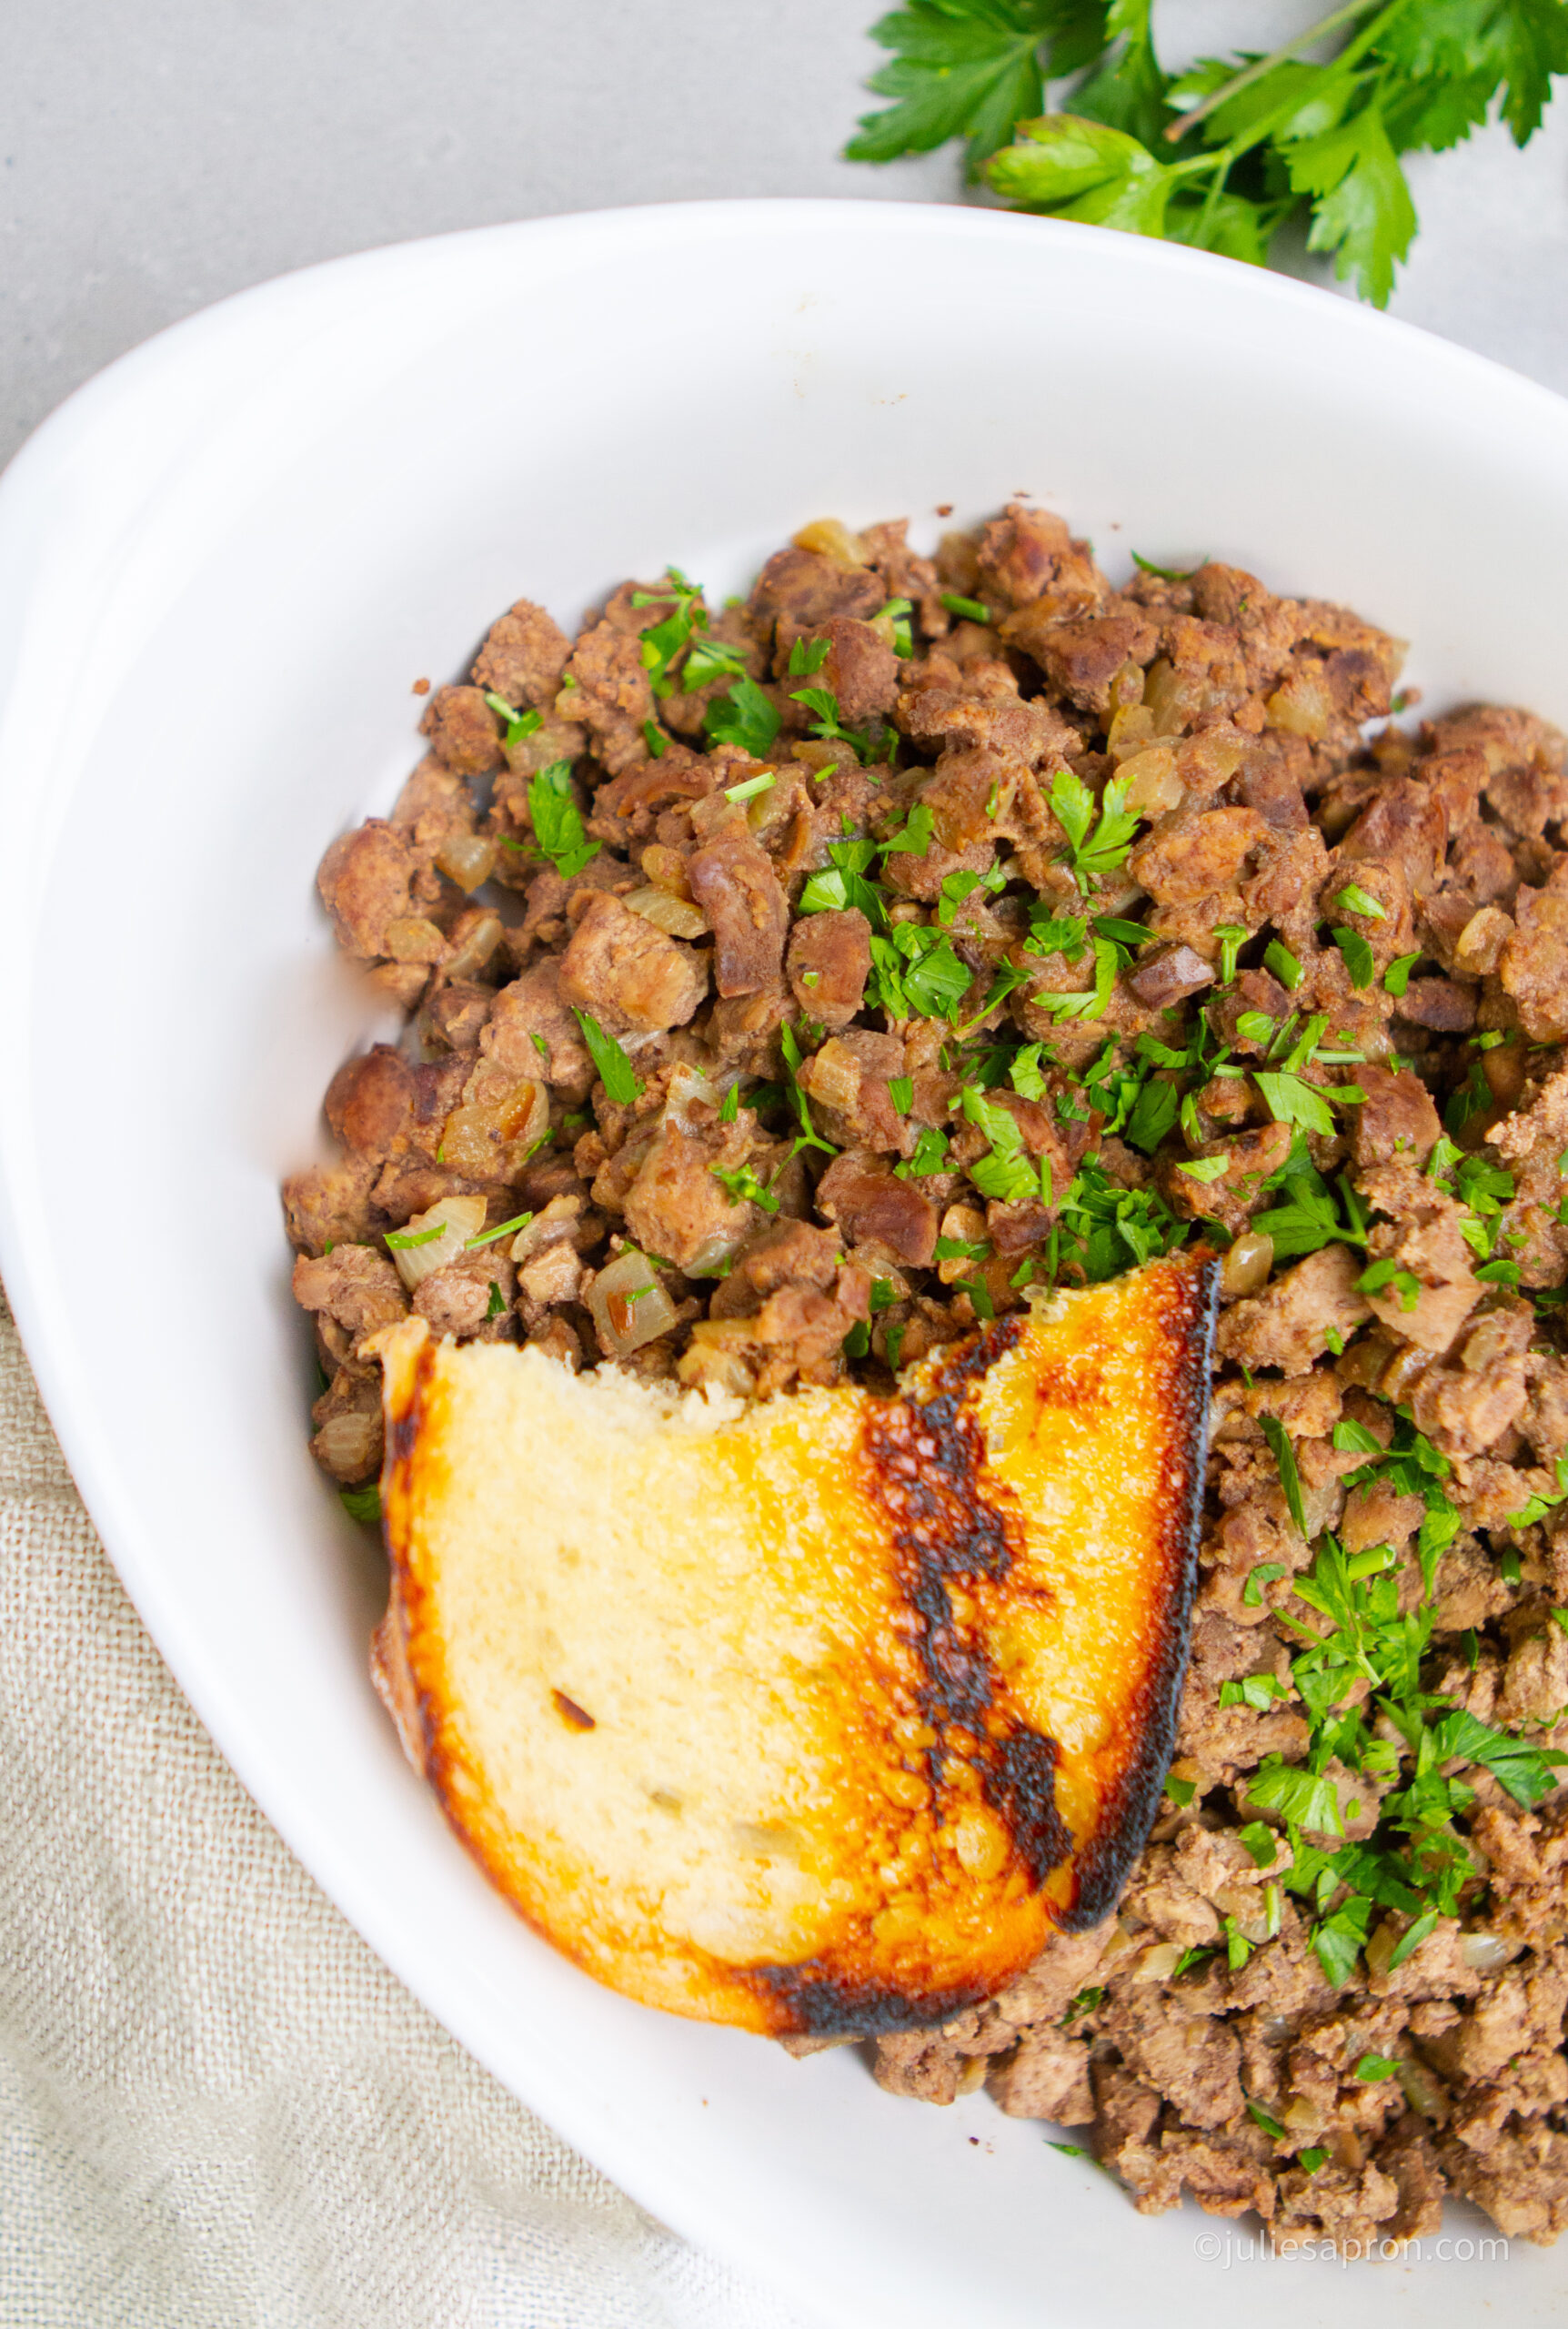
(629, 1306)
(1479, 946)
(667, 867)
(467, 859)
(489, 1141)
(347, 1446)
(1173, 698)
(457, 1218)
(833, 1076)
(716, 1358)
(676, 917)
(1484, 1952)
(830, 538)
(412, 939)
(476, 947)
(1247, 1264)
(1421, 2091)
(1158, 1963)
(1303, 707)
(1130, 730)
(1152, 782)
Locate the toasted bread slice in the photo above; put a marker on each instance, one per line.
(814, 1716)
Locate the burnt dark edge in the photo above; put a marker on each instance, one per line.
(1129, 1812)
(831, 2005)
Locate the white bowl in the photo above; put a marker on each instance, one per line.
(222, 565)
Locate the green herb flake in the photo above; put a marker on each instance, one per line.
(1372, 2069)
(557, 821)
(1353, 899)
(1279, 958)
(1315, 2158)
(1266, 2120)
(1358, 956)
(519, 1221)
(363, 1504)
(621, 1083)
(399, 1241)
(515, 724)
(1396, 978)
(1181, 1792)
(743, 716)
(970, 609)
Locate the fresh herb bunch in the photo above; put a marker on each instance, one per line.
(1222, 155)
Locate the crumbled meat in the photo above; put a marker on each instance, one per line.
(629, 974)
(1097, 1054)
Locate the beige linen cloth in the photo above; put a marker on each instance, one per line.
(219, 2110)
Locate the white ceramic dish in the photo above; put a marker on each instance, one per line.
(222, 565)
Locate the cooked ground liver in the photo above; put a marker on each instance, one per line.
(861, 964)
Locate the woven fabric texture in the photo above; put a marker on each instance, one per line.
(219, 2110)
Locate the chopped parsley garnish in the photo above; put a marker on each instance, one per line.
(663, 641)
(752, 786)
(729, 1106)
(1540, 1504)
(1168, 573)
(845, 885)
(399, 1241)
(1096, 845)
(742, 1187)
(363, 1504)
(1404, 1284)
(1374, 2068)
(897, 612)
(901, 1092)
(497, 1306)
(1396, 978)
(913, 838)
(1279, 958)
(930, 1155)
(808, 655)
(743, 716)
(1232, 938)
(1353, 899)
(970, 609)
(1358, 958)
(615, 1072)
(1279, 1440)
(709, 659)
(519, 1221)
(515, 724)
(557, 821)
(1006, 1175)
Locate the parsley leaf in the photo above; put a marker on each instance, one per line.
(744, 717)
(968, 68)
(1093, 856)
(615, 1072)
(557, 821)
(1358, 954)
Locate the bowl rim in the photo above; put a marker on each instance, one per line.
(34, 490)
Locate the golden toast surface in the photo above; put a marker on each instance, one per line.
(816, 1716)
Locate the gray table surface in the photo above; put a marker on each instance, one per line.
(156, 155)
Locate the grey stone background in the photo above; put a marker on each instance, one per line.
(156, 155)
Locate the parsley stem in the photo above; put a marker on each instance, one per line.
(1268, 122)
(1262, 66)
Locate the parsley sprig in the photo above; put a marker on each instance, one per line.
(1226, 155)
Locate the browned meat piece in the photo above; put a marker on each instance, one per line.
(329, 1204)
(1406, 824)
(464, 733)
(861, 671)
(1081, 659)
(365, 881)
(629, 974)
(348, 1418)
(733, 881)
(677, 1207)
(803, 588)
(1266, 628)
(457, 1011)
(1167, 974)
(1192, 2059)
(1290, 1324)
(435, 807)
(457, 1299)
(370, 1102)
(905, 574)
(1031, 732)
(524, 656)
(357, 1287)
(1019, 554)
(871, 1206)
(1196, 854)
(1446, 1006)
(612, 695)
(1465, 1407)
(1047, 2078)
(531, 1032)
(830, 962)
(1533, 970)
(786, 1252)
(1396, 1120)
(848, 1081)
(1437, 1288)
